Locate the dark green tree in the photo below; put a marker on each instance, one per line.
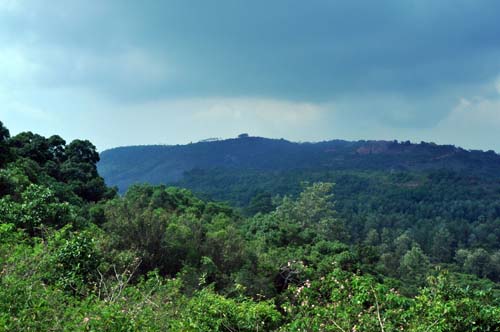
(31, 146)
(82, 151)
(4, 148)
(261, 202)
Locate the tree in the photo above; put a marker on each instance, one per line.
(372, 238)
(82, 151)
(31, 146)
(73, 259)
(414, 266)
(57, 146)
(311, 217)
(478, 262)
(262, 202)
(4, 133)
(141, 231)
(442, 245)
(38, 206)
(79, 170)
(4, 149)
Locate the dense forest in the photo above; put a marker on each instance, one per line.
(327, 248)
(168, 164)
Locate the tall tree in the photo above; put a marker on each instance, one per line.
(310, 217)
(82, 151)
(4, 149)
(414, 266)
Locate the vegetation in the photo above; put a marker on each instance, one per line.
(245, 154)
(75, 256)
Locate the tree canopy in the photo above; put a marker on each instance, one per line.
(75, 256)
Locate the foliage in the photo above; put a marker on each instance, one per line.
(37, 207)
(371, 253)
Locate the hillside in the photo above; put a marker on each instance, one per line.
(377, 251)
(169, 164)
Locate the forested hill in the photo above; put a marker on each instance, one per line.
(377, 251)
(168, 164)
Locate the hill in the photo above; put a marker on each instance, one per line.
(378, 251)
(386, 192)
(158, 164)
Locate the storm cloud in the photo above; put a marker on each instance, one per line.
(137, 72)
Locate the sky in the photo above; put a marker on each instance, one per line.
(123, 72)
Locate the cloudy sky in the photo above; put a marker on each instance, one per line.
(122, 72)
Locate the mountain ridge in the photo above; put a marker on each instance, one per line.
(167, 164)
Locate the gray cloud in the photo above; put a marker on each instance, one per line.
(399, 66)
